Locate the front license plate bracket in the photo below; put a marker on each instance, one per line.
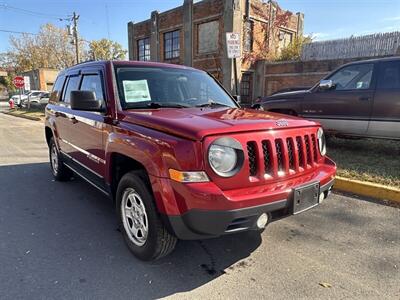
(305, 197)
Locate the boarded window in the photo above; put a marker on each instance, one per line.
(285, 39)
(208, 34)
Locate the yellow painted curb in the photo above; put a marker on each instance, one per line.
(368, 189)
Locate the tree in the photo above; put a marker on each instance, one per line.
(50, 48)
(293, 50)
(275, 18)
(105, 49)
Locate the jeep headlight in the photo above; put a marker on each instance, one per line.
(225, 156)
(321, 141)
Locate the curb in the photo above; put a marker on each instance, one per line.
(367, 189)
(22, 116)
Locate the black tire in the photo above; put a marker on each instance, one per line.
(159, 241)
(59, 170)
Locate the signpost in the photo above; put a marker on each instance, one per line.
(27, 83)
(18, 82)
(27, 87)
(233, 45)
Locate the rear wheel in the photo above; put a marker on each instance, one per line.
(59, 170)
(142, 228)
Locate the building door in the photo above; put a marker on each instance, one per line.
(246, 88)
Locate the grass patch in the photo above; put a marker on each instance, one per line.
(371, 160)
(33, 112)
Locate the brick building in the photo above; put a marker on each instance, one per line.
(42, 79)
(194, 35)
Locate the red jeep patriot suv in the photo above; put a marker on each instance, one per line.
(178, 156)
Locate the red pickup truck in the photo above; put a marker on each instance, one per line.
(177, 154)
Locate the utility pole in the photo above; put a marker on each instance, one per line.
(75, 33)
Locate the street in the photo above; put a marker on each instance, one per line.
(61, 241)
(3, 105)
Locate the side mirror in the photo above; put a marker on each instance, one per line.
(326, 85)
(237, 98)
(257, 107)
(84, 100)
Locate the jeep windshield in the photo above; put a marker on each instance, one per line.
(153, 87)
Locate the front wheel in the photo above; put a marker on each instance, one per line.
(142, 228)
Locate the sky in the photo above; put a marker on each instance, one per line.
(324, 19)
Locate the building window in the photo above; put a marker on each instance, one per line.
(285, 39)
(143, 47)
(171, 44)
(248, 36)
(208, 34)
(245, 85)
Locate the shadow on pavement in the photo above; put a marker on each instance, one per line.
(61, 240)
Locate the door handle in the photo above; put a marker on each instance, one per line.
(364, 98)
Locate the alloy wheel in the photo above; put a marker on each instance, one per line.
(134, 217)
(54, 159)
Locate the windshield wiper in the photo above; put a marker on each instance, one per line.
(167, 104)
(211, 104)
(160, 105)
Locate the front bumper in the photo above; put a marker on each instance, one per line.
(202, 224)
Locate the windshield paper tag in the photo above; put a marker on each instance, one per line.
(136, 91)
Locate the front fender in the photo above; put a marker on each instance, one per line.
(156, 151)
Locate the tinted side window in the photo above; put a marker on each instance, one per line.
(389, 76)
(58, 85)
(356, 77)
(93, 83)
(72, 85)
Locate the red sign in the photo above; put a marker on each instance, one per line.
(18, 81)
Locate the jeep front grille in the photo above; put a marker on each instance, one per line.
(279, 155)
(282, 156)
(266, 146)
(289, 143)
(251, 150)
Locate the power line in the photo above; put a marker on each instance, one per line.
(19, 32)
(34, 13)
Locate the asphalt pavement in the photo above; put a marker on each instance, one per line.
(3, 105)
(61, 241)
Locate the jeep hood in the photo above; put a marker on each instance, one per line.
(196, 123)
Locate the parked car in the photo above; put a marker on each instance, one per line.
(44, 98)
(24, 97)
(360, 99)
(177, 155)
(37, 99)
